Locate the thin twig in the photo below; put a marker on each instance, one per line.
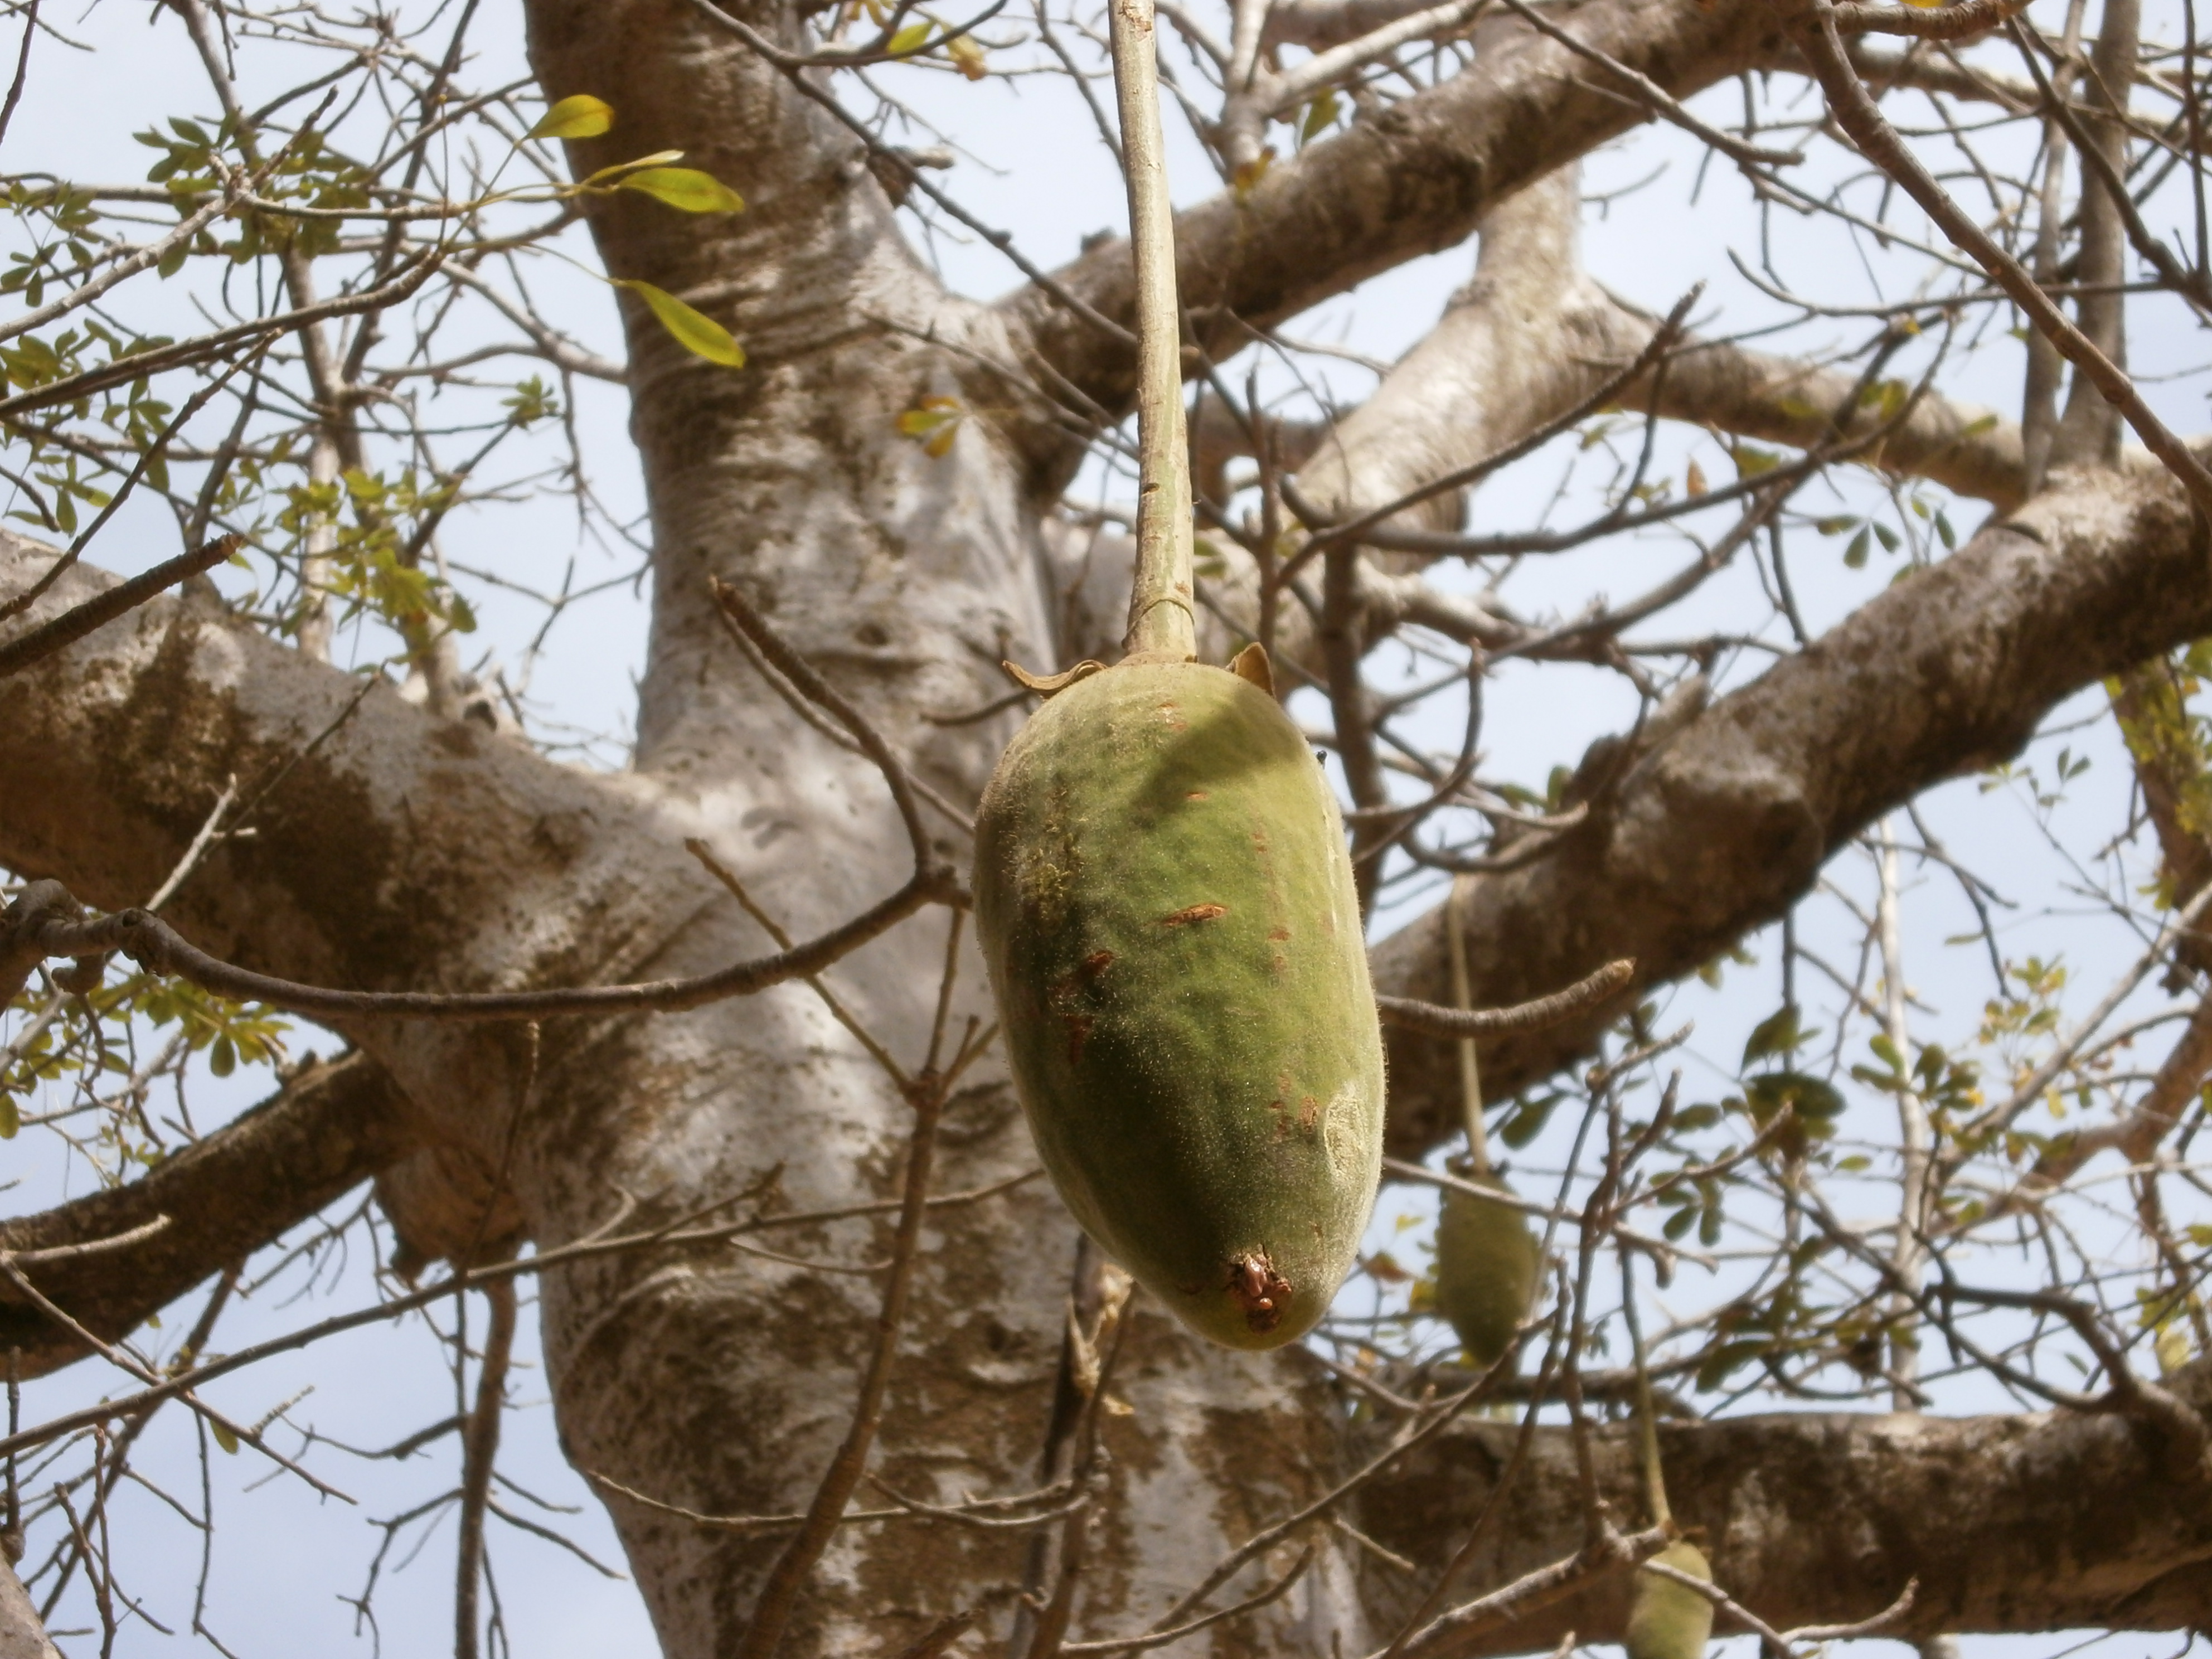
(1274, 1592)
(1463, 1627)
(1433, 1020)
(61, 632)
(479, 1452)
(1813, 25)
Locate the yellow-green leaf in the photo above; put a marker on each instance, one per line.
(696, 332)
(223, 1437)
(577, 116)
(910, 38)
(1320, 115)
(967, 57)
(934, 423)
(11, 1117)
(686, 188)
(658, 158)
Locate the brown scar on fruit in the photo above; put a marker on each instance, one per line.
(1195, 794)
(1078, 1028)
(1259, 1289)
(1195, 912)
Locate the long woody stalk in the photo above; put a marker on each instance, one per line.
(1161, 620)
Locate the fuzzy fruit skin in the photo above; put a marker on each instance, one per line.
(1486, 1265)
(1166, 906)
(1668, 1621)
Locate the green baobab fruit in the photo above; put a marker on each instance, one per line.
(1486, 1267)
(1165, 902)
(1668, 1621)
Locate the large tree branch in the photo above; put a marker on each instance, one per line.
(1720, 826)
(1413, 179)
(1754, 394)
(391, 848)
(327, 1130)
(2033, 1522)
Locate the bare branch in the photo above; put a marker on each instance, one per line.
(330, 1128)
(1432, 1019)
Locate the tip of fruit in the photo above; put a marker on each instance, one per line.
(1260, 1291)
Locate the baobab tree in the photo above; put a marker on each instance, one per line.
(1921, 1313)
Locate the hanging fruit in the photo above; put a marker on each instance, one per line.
(1667, 1620)
(1167, 907)
(1164, 900)
(1487, 1262)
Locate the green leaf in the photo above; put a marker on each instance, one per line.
(686, 188)
(1813, 1097)
(1943, 529)
(223, 1056)
(910, 38)
(1727, 1359)
(1855, 556)
(223, 1437)
(1888, 538)
(1775, 1035)
(696, 332)
(1886, 1051)
(579, 115)
(1320, 115)
(11, 1117)
(1528, 1120)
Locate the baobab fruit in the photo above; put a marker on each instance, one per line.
(1666, 1619)
(1486, 1266)
(1166, 906)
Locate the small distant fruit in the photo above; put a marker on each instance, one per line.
(1668, 1621)
(1487, 1263)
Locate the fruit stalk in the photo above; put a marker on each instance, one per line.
(1162, 624)
(1647, 1418)
(1667, 1619)
(1470, 1071)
